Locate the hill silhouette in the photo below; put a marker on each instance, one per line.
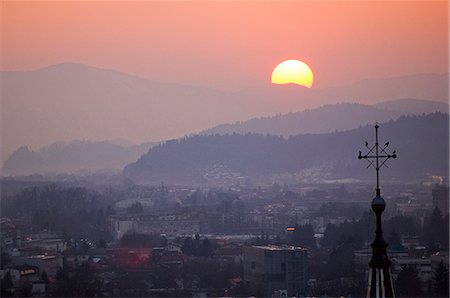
(328, 118)
(73, 157)
(421, 143)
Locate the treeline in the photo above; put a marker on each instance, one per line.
(197, 247)
(422, 139)
(341, 209)
(74, 212)
(433, 234)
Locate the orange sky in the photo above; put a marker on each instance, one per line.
(218, 42)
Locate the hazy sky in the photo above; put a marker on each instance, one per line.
(218, 43)
(225, 45)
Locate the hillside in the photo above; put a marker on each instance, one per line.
(413, 106)
(421, 143)
(328, 118)
(73, 157)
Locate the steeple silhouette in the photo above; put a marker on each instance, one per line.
(380, 279)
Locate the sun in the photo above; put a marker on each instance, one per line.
(293, 72)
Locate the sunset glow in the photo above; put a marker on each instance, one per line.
(293, 72)
(207, 44)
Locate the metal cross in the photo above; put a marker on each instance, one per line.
(380, 157)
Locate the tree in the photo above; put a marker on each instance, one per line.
(24, 289)
(278, 240)
(80, 283)
(102, 243)
(135, 208)
(434, 229)
(341, 260)
(7, 285)
(331, 235)
(304, 236)
(394, 240)
(5, 259)
(440, 279)
(197, 241)
(44, 277)
(206, 249)
(408, 282)
(188, 246)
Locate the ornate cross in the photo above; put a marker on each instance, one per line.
(380, 157)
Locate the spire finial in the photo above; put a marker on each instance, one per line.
(377, 154)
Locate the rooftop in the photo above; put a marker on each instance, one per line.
(284, 247)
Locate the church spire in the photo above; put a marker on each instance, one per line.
(380, 278)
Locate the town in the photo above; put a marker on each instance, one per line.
(304, 240)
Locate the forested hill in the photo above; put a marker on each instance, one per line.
(421, 142)
(328, 118)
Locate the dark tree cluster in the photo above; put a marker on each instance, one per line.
(78, 283)
(340, 209)
(303, 236)
(135, 208)
(74, 211)
(197, 247)
(364, 228)
(435, 231)
(440, 281)
(341, 262)
(408, 283)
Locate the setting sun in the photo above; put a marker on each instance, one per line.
(293, 71)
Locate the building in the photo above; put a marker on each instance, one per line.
(168, 224)
(21, 273)
(54, 245)
(25, 274)
(47, 263)
(440, 197)
(276, 269)
(132, 257)
(230, 253)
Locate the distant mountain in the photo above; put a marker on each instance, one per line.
(421, 142)
(413, 106)
(74, 101)
(328, 118)
(73, 157)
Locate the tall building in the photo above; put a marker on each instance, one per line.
(276, 269)
(440, 197)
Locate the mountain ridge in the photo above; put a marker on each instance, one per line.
(78, 156)
(70, 101)
(330, 117)
(57, 156)
(257, 158)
